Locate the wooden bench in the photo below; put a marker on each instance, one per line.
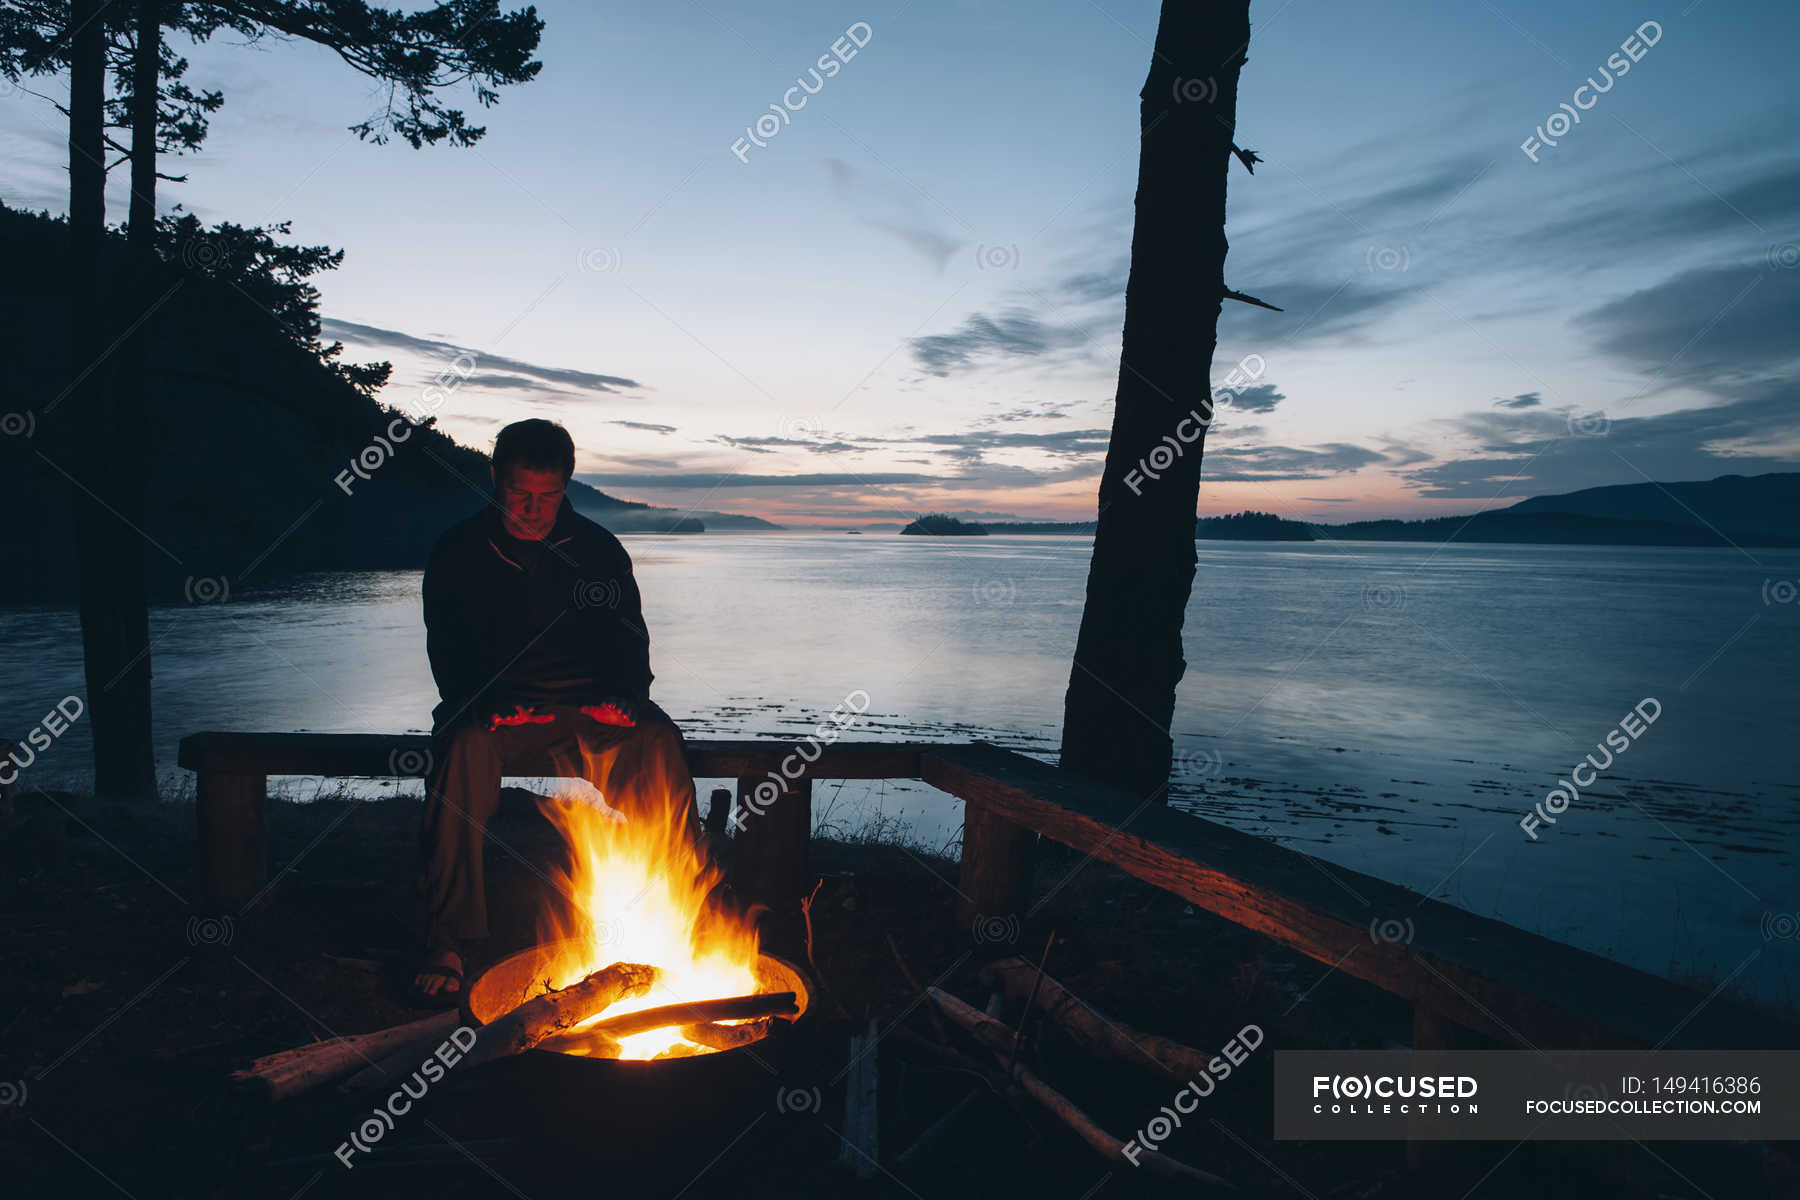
(1457, 969)
(233, 770)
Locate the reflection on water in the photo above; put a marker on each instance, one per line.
(1393, 708)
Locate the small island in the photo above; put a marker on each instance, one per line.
(1249, 526)
(942, 525)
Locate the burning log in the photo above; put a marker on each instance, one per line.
(557, 1012)
(291, 1072)
(1092, 1029)
(998, 1039)
(725, 1037)
(699, 1012)
(536, 1020)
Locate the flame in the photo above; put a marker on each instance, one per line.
(640, 893)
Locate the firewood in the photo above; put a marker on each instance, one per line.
(998, 1040)
(724, 1037)
(291, 1072)
(767, 1004)
(526, 1026)
(1092, 1029)
(561, 1011)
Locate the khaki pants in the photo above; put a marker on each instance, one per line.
(640, 770)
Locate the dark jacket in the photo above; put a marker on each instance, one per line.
(508, 622)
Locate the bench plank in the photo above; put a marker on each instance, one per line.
(408, 755)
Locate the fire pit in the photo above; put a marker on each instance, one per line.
(633, 1110)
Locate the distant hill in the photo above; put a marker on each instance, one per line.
(1745, 508)
(1757, 510)
(943, 525)
(252, 448)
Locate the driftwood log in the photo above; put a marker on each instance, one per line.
(725, 1037)
(998, 1040)
(736, 1008)
(601, 1039)
(1092, 1029)
(291, 1072)
(532, 1022)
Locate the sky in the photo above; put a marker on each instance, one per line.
(909, 298)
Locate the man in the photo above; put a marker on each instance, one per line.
(535, 631)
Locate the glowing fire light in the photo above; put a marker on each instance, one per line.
(640, 895)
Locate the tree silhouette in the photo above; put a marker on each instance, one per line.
(1128, 654)
(100, 429)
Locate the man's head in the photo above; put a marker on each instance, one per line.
(532, 464)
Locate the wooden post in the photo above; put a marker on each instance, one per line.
(996, 874)
(1432, 1030)
(717, 812)
(233, 843)
(8, 786)
(772, 837)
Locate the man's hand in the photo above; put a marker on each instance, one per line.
(614, 710)
(522, 714)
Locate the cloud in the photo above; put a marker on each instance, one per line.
(1522, 400)
(644, 425)
(372, 335)
(711, 479)
(895, 211)
(1260, 398)
(1014, 333)
(1724, 323)
(1266, 464)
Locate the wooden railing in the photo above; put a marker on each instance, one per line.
(1457, 969)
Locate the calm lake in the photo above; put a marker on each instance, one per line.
(1388, 707)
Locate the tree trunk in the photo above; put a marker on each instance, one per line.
(122, 763)
(1128, 655)
(136, 296)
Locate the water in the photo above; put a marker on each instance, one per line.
(1393, 708)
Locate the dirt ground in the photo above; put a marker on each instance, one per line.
(124, 1006)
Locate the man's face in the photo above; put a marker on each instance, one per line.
(529, 499)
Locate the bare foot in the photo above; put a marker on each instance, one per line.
(440, 976)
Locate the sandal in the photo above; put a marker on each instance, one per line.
(444, 997)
